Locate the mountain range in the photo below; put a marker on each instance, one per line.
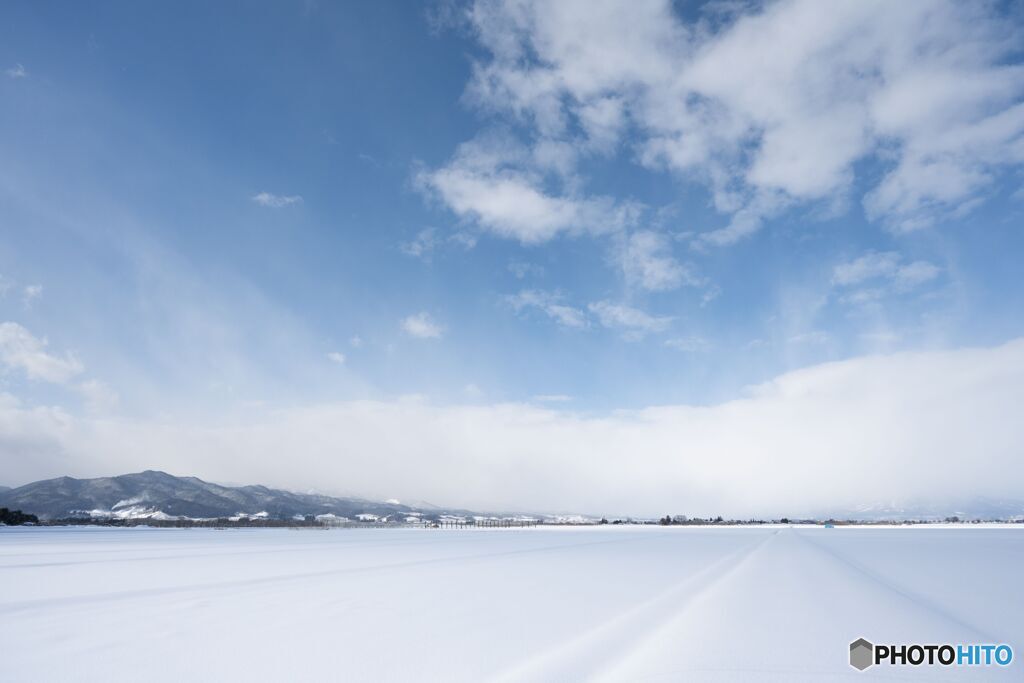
(966, 508)
(161, 496)
(158, 495)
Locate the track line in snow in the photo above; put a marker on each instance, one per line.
(190, 552)
(597, 646)
(912, 598)
(142, 593)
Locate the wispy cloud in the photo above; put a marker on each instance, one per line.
(422, 245)
(97, 396)
(276, 201)
(16, 71)
(552, 398)
(916, 273)
(336, 357)
(522, 270)
(21, 350)
(690, 344)
(812, 337)
(30, 293)
(875, 275)
(551, 304)
(647, 261)
(635, 323)
(422, 326)
(866, 267)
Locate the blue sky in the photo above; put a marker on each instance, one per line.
(215, 212)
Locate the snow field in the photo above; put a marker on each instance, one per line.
(543, 604)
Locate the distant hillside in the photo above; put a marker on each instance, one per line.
(974, 508)
(159, 495)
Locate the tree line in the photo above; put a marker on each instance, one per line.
(16, 517)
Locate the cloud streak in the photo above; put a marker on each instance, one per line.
(635, 323)
(276, 201)
(550, 304)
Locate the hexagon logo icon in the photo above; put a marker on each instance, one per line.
(862, 654)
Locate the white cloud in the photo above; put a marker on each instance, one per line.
(551, 304)
(869, 266)
(898, 427)
(769, 106)
(30, 293)
(878, 275)
(486, 185)
(16, 71)
(336, 357)
(464, 239)
(355, 341)
(635, 322)
(422, 326)
(422, 246)
(867, 296)
(916, 273)
(647, 262)
(20, 350)
(276, 201)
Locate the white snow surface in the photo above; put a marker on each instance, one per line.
(535, 604)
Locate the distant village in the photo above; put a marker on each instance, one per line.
(448, 521)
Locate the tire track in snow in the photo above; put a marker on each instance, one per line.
(586, 655)
(766, 603)
(915, 600)
(142, 593)
(189, 552)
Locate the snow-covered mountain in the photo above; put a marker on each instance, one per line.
(159, 495)
(974, 508)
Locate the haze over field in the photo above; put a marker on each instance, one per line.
(740, 259)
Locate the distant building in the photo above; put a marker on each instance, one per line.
(331, 519)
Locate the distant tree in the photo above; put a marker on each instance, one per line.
(603, 521)
(16, 517)
(784, 520)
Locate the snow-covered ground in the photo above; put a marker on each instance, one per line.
(652, 603)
